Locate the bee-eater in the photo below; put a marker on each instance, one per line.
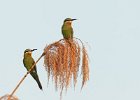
(67, 29)
(28, 62)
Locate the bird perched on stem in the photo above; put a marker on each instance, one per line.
(67, 30)
(28, 62)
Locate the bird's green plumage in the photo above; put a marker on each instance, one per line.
(28, 62)
(67, 30)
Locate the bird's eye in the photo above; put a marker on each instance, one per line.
(25, 51)
(66, 20)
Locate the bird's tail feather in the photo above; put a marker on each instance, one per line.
(35, 76)
(39, 84)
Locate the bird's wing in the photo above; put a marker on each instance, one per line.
(71, 32)
(35, 66)
(28, 63)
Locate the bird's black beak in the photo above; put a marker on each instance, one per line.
(74, 19)
(33, 50)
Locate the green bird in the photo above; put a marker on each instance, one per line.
(67, 30)
(28, 62)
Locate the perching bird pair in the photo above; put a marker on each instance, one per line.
(28, 61)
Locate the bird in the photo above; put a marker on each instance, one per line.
(28, 62)
(67, 30)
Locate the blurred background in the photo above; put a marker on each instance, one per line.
(109, 28)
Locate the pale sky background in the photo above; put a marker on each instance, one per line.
(110, 28)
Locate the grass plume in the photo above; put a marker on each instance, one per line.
(5, 97)
(62, 61)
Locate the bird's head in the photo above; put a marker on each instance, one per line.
(68, 20)
(29, 52)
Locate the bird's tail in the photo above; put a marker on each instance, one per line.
(35, 76)
(39, 84)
